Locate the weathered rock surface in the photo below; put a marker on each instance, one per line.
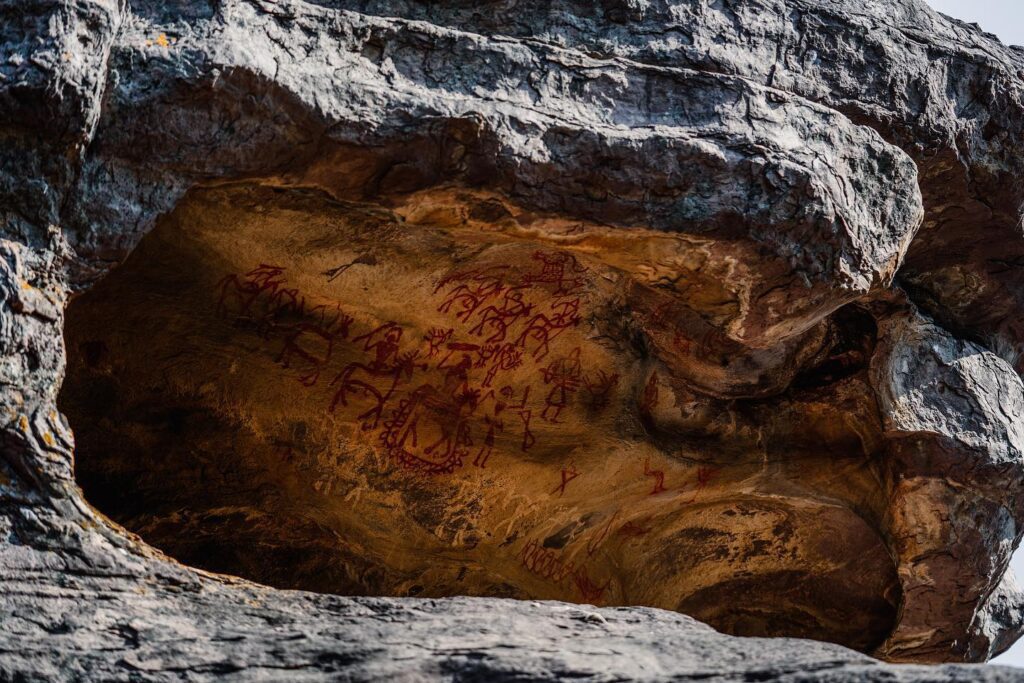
(788, 230)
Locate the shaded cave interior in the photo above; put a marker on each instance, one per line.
(449, 395)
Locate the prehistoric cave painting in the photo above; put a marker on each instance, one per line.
(634, 528)
(435, 407)
(545, 562)
(599, 537)
(494, 425)
(378, 379)
(548, 564)
(544, 327)
(239, 293)
(470, 290)
(474, 396)
(497, 359)
(436, 339)
(461, 352)
(649, 399)
(657, 475)
(559, 268)
(496, 320)
(704, 476)
(600, 388)
(588, 591)
(504, 402)
(564, 377)
(568, 474)
(667, 317)
(308, 334)
(543, 298)
(430, 430)
(311, 345)
(434, 423)
(525, 414)
(363, 259)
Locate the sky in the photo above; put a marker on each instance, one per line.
(1005, 18)
(1015, 655)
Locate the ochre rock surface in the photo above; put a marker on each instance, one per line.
(706, 307)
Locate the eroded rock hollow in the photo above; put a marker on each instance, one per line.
(706, 307)
(334, 397)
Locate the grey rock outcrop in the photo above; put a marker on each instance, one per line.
(821, 153)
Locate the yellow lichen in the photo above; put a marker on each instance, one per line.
(161, 40)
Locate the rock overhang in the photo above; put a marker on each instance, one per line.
(799, 230)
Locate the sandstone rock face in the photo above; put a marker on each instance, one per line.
(705, 309)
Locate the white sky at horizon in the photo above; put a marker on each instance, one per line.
(1005, 18)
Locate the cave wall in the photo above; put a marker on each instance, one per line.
(331, 397)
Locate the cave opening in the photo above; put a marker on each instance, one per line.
(447, 396)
